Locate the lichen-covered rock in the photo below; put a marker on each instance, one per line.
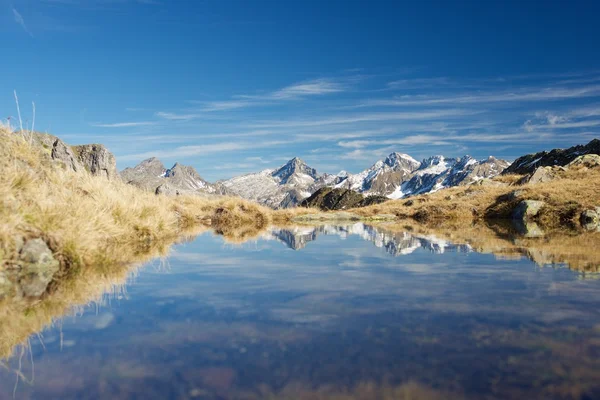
(37, 268)
(587, 161)
(63, 153)
(97, 160)
(542, 175)
(527, 209)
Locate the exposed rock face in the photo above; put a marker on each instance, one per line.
(63, 153)
(97, 160)
(38, 267)
(339, 199)
(93, 158)
(527, 210)
(152, 175)
(557, 157)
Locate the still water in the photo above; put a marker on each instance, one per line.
(338, 312)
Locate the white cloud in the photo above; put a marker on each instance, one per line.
(177, 117)
(125, 124)
(19, 20)
(195, 150)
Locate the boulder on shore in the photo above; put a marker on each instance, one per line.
(590, 219)
(527, 210)
(542, 175)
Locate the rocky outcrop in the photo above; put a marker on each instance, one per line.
(93, 158)
(558, 157)
(97, 160)
(339, 199)
(585, 161)
(542, 175)
(63, 153)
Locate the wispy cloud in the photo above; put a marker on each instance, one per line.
(195, 150)
(370, 117)
(19, 20)
(177, 117)
(297, 91)
(125, 124)
(524, 95)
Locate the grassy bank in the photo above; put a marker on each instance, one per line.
(91, 222)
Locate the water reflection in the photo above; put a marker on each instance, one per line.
(414, 316)
(394, 243)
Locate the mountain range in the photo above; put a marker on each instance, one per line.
(399, 175)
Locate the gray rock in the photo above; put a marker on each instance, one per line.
(97, 160)
(38, 267)
(590, 219)
(587, 160)
(527, 209)
(167, 190)
(542, 175)
(62, 152)
(515, 194)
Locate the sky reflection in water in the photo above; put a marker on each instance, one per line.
(338, 316)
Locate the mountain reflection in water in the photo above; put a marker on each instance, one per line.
(358, 312)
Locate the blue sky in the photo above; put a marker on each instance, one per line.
(232, 87)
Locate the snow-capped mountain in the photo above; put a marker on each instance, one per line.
(279, 188)
(383, 177)
(400, 175)
(152, 175)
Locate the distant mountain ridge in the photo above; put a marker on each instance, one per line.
(152, 175)
(398, 175)
(556, 157)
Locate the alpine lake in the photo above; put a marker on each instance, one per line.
(348, 311)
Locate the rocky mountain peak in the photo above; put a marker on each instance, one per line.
(293, 168)
(400, 160)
